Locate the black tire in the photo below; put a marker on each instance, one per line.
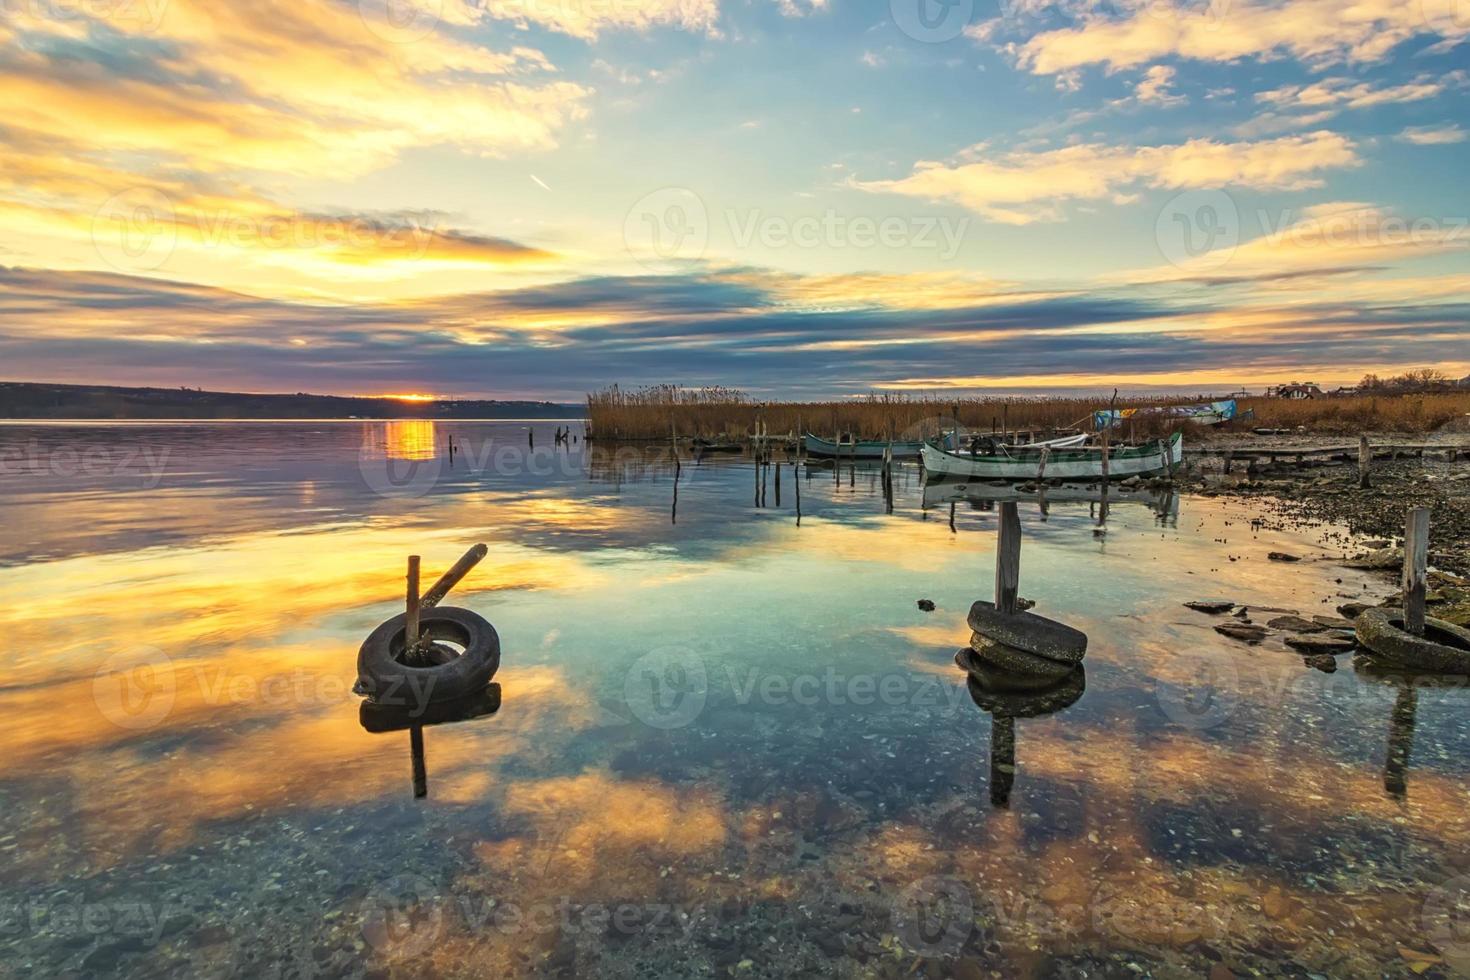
(992, 679)
(1444, 647)
(384, 678)
(1013, 661)
(1032, 704)
(1030, 632)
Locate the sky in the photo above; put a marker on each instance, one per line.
(798, 198)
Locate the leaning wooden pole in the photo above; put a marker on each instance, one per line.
(451, 578)
(1365, 462)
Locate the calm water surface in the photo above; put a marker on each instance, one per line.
(727, 744)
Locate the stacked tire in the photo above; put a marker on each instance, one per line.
(1021, 652)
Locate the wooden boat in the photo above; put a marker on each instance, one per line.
(991, 444)
(701, 447)
(1084, 463)
(859, 449)
(1210, 413)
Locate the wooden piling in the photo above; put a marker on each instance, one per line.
(778, 484)
(1008, 558)
(1365, 462)
(796, 479)
(411, 629)
(1416, 567)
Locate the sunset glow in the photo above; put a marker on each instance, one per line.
(507, 200)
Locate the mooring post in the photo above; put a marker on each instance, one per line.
(1008, 558)
(778, 484)
(1365, 462)
(1416, 567)
(796, 479)
(411, 628)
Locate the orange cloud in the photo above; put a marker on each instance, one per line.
(1315, 31)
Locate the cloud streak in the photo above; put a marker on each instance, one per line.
(1024, 187)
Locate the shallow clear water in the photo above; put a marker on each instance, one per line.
(727, 744)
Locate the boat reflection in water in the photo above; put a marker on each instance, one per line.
(984, 495)
(380, 719)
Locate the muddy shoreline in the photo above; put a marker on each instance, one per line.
(1328, 493)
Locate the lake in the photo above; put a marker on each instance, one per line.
(727, 743)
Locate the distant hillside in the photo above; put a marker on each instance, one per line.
(25, 400)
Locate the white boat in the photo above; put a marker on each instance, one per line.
(1076, 463)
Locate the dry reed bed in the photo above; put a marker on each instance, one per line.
(666, 410)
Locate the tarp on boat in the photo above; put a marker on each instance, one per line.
(1210, 413)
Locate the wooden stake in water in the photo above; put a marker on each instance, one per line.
(1008, 558)
(1365, 462)
(796, 479)
(1416, 567)
(411, 631)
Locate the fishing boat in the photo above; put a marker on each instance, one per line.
(859, 448)
(703, 446)
(1078, 463)
(1210, 413)
(953, 442)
